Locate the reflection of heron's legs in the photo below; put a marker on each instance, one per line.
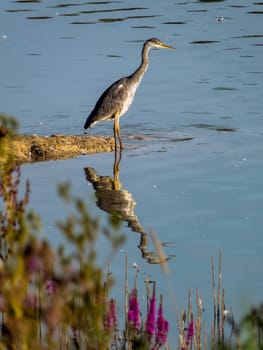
(116, 168)
(143, 243)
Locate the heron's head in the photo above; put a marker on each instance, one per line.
(154, 42)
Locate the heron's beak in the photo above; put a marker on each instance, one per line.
(165, 46)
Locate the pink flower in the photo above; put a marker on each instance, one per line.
(50, 287)
(33, 260)
(31, 302)
(134, 311)
(151, 318)
(162, 327)
(111, 320)
(190, 332)
(33, 264)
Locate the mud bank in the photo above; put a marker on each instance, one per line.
(32, 148)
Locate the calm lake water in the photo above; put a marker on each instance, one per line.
(194, 169)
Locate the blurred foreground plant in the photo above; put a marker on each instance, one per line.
(61, 299)
(8, 126)
(55, 299)
(50, 299)
(225, 333)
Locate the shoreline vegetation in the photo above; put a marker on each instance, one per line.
(62, 298)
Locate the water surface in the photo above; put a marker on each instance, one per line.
(192, 166)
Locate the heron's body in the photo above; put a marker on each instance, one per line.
(116, 100)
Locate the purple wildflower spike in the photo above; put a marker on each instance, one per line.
(162, 326)
(33, 263)
(31, 302)
(111, 317)
(134, 311)
(113, 310)
(151, 318)
(50, 287)
(190, 332)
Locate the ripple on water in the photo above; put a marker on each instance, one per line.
(175, 22)
(66, 37)
(211, 0)
(249, 36)
(220, 128)
(39, 17)
(225, 88)
(204, 42)
(103, 2)
(113, 56)
(255, 12)
(202, 81)
(18, 10)
(232, 48)
(27, 1)
(238, 6)
(143, 27)
(196, 11)
(110, 20)
(113, 10)
(87, 12)
(58, 6)
(83, 22)
(73, 14)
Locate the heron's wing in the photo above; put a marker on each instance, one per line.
(110, 102)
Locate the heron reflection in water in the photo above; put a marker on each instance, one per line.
(116, 100)
(115, 200)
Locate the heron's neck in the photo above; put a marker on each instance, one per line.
(139, 73)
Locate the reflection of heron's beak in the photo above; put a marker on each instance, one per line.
(165, 46)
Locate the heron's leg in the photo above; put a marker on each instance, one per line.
(119, 133)
(115, 133)
(116, 129)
